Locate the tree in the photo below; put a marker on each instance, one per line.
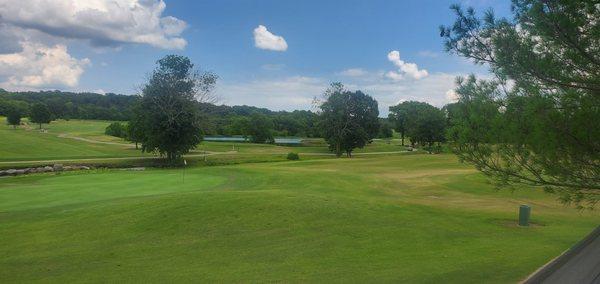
(416, 120)
(260, 128)
(349, 120)
(385, 129)
(398, 115)
(116, 129)
(427, 126)
(13, 114)
(168, 109)
(536, 123)
(40, 114)
(135, 127)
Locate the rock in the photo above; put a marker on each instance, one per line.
(68, 168)
(11, 171)
(32, 170)
(39, 169)
(3, 173)
(136, 169)
(48, 169)
(84, 167)
(58, 167)
(19, 172)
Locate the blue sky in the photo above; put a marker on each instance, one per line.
(325, 41)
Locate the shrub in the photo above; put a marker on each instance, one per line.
(116, 129)
(293, 156)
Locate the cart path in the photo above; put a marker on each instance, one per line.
(579, 264)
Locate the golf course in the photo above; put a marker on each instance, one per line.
(423, 141)
(253, 216)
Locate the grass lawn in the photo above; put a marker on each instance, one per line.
(26, 143)
(393, 218)
(85, 139)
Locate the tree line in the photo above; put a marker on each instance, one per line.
(220, 120)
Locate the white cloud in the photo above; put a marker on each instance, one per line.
(297, 92)
(99, 91)
(288, 93)
(451, 95)
(264, 39)
(39, 66)
(353, 72)
(101, 22)
(410, 69)
(431, 89)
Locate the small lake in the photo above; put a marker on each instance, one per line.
(278, 140)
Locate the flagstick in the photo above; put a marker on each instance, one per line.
(184, 164)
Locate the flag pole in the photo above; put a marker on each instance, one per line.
(184, 164)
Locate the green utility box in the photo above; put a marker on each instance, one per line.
(524, 213)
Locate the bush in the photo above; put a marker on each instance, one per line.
(293, 156)
(116, 129)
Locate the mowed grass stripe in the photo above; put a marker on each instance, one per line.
(349, 220)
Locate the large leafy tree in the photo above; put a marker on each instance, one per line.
(427, 126)
(168, 112)
(259, 128)
(135, 126)
(40, 114)
(420, 121)
(397, 116)
(14, 112)
(349, 120)
(536, 123)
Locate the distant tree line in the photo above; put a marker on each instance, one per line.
(217, 119)
(69, 105)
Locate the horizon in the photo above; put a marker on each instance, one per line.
(267, 54)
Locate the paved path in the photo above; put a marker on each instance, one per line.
(64, 135)
(580, 264)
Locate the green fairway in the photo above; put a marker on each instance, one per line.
(85, 139)
(399, 218)
(58, 142)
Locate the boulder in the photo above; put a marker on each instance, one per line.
(134, 169)
(19, 172)
(11, 171)
(48, 169)
(84, 167)
(58, 167)
(3, 173)
(69, 168)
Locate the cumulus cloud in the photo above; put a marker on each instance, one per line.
(264, 39)
(39, 66)
(405, 69)
(101, 22)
